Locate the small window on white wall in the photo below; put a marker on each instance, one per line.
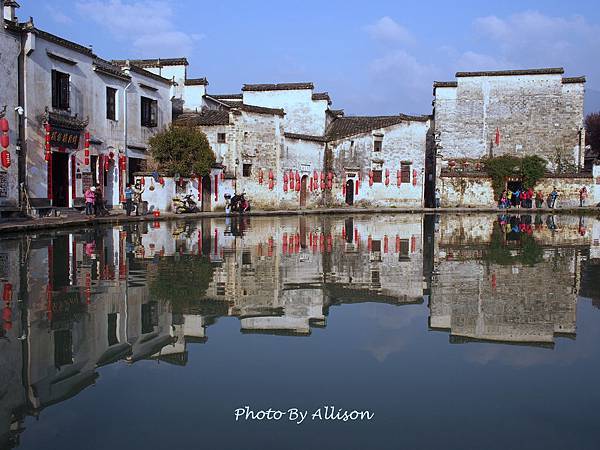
(221, 138)
(377, 142)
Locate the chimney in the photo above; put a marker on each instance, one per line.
(9, 8)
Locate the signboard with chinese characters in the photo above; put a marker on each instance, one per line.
(62, 137)
(3, 184)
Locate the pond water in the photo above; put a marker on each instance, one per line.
(440, 331)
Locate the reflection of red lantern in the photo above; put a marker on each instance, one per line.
(7, 292)
(5, 156)
(4, 125)
(106, 163)
(7, 314)
(4, 141)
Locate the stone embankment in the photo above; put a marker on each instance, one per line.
(116, 218)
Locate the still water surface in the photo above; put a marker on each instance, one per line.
(455, 331)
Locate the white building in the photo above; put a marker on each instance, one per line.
(86, 121)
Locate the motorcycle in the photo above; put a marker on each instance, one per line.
(239, 204)
(184, 205)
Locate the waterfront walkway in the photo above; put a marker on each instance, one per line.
(119, 217)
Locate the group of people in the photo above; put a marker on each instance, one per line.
(96, 206)
(94, 202)
(524, 198)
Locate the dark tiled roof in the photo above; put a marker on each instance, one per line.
(305, 137)
(260, 109)
(348, 126)
(60, 41)
(209, 117)
(11, 3)
(336, 112)
(437, 84)
(66, 121)
(567, 80)
(277, 87)
(321, 96)
(496, 73)
(154, 63)
(106, 68)
(140, 71)
(196, 82)
(227, 96)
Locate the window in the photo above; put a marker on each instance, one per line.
(111, 103)
(221, 138)
(377, 142)
(377, 175)
(149, 317)
(246, 259)
(405, 173)
(112, 329)
(63, 348)
(403, 250)
(149, 112)
(247, 170)
(60, 90)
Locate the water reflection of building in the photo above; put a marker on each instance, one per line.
(507, 284)
(80, 301)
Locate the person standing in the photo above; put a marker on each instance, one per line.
(582, 196)
(553, 197)
(138, 190)
(128, 199)
(90, 199)
(539, 199)
(438, 198)
(530, 194)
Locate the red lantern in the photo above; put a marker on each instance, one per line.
(271, 176)
(369, 243)
(285, 177)
(86, 161)
(315, 175)
(285, 186)
(271, 184)
(143, 182)
(399, 178)
(310, 183)
(111, 155)
(7, 292)
(344, 188)
(4, 141)
(370, 178)
(4, 125)
(322, 181)
(385, 244)
(291, 181)
(414, 177)
(161, 180)
(260, 176)
(357, 184)
(387, 177)
(297, 182)
(5, 156)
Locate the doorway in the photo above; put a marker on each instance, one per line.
(303, 191)
(514, 186)
(206, 193)
(60, 179)
(350, 192)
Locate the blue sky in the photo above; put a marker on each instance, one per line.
(375, 57)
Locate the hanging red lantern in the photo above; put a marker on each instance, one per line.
(86, 161)
(413, 244)
(285, 177)
(397, 244)
(370, 178)
(5, 155)
(48, 156)
(291, 180)
(385, 244)
(7, 292)
(4, 125)
(414, 177)
(315, 175)
(297, 182)
(223, 175)
(310, 183)
(387, 177)
(369, 243)
(399, 178)
(4, 141)
(271, 176)
(285, 186)
(357, 184)
(271, 184)
(322, 181)
(111, 155)
(143, 182)
(329, 180)
(260, 176)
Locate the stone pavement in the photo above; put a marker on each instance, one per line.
(119, 217)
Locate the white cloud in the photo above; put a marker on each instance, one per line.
(388, 30)
(58, 16)
(148, 25)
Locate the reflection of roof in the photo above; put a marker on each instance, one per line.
(275, 331)
(114, 354)
(454, 339)
(145, 349)
(340, 294)
(590, 274)
(177, 359)
(65, 389)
